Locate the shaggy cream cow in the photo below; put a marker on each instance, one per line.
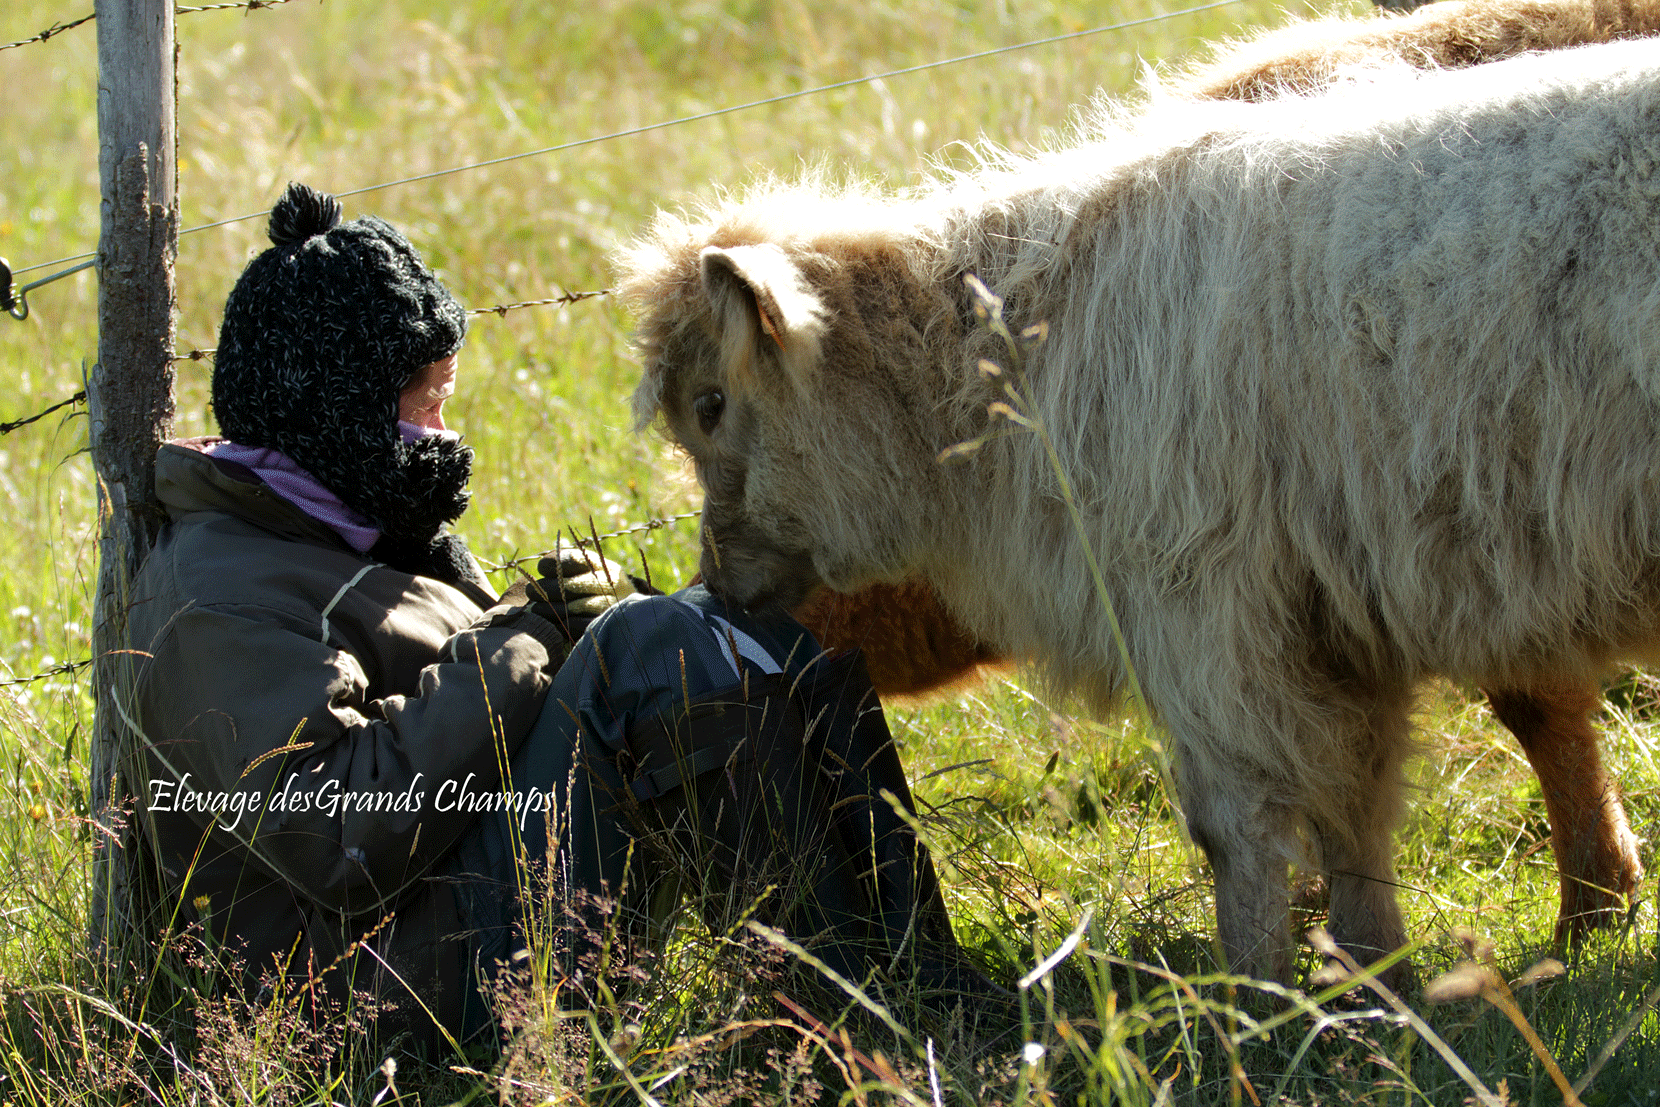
(1349, 390)
(913, 645)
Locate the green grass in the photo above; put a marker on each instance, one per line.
(1038, 817)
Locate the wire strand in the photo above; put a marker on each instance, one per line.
(251, 5)
(57, 29)
(7, 428)
(713, 114)
(46, 674)
(561, 299)
(596, 540)
(51, 32)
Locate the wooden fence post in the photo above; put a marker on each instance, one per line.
(129, 404)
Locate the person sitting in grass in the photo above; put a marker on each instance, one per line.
(361, 770)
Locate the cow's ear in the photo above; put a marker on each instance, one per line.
(762, 302)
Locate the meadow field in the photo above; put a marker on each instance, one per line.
(1053, 832)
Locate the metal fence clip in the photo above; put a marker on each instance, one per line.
(18, 305)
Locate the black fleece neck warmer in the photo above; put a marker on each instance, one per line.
(321, 334)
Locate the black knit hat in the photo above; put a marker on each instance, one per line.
(321, 333)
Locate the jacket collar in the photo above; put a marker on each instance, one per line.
(188, 480)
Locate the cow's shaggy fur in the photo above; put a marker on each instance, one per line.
(914, 646)
(1308, 54)
(1349, 389)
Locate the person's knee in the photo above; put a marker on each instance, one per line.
(637, 615)
(668, 643)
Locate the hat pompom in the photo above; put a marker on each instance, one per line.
(301, 213)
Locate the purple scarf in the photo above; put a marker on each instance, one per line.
(285, 477)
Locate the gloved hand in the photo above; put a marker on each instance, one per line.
(573, 587)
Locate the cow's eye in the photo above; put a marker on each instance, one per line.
(709, 406)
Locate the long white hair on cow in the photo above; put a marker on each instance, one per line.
(1351, 388)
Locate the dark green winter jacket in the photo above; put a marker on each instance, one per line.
(304, 715)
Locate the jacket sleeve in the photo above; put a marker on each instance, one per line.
(262, 732)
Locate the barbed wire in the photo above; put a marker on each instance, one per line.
(594, 540)
(498, 310)
(59, 28)
(60, 669)
(7, 428)
(712, 114)
(54, 29)
(562, 298)
(251, 5)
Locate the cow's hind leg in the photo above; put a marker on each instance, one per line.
(1596, 853)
